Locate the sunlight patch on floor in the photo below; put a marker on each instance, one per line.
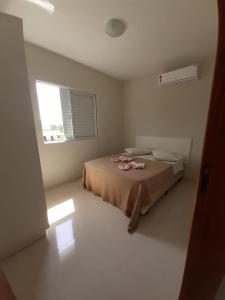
(60, 211)
(65, 236)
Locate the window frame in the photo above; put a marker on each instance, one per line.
(74, 139)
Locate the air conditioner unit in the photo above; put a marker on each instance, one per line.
(179, 75)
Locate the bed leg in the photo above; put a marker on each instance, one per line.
(144, 214)
(147, 212)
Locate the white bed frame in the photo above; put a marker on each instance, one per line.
(177, 145)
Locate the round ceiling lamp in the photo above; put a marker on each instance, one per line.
(115, 27)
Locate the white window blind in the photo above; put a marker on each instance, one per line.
(78, 114)
(83, 114)
(66, 113)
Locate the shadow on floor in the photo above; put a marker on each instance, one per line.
(170, 219)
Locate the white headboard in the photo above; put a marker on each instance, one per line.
(173, 144)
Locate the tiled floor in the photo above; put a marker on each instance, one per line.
(90, 255)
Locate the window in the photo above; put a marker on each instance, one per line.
(66, 114)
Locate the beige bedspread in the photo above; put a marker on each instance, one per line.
(128, 190)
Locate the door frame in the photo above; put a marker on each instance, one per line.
(205, 262)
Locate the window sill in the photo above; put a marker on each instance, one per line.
(69, 141)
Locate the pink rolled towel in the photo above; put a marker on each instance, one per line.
(124, 167)
(136, 165)
(122, 158)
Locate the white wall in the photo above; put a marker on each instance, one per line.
(124, 110)
(174, 111)
(64, 161)
(22, 204)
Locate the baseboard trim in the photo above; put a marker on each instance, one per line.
(20, 247)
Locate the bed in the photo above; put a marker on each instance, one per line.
(178, 173)
(133, 191)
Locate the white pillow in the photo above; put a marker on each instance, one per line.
(138, 151)
(165, 155)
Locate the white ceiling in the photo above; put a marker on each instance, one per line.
(160, 33)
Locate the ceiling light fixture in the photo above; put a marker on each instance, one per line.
(44, 4)
(115, 27)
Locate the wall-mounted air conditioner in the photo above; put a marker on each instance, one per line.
(180, 75)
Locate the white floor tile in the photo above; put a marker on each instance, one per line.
(89, 254)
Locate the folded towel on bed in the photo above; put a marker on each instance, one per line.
(131, 165)
(122, 158)
(136, 165)
(127, 163)
(124, 167)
